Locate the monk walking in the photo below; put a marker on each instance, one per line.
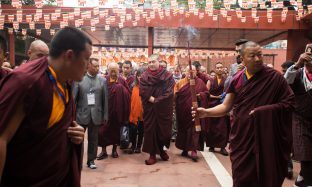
(260, 138)
(156, 91)
(118, 111)
(40, 143)
(187, 138)
(218, 128)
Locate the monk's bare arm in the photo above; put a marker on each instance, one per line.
(8, 133)
(217, 111)
(208, 85)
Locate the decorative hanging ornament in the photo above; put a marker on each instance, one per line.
(253, 12)
(24, 32)
(47, 24)
(29, 18)
(82, 2)
(243, 19)
(32, 25)
(229, 18)
(46, 17)
(239, 13)
(59, 3)
(38, 3)
(53, 16)
(19, 15)
(16, 3)
(201, 15)
(38, 13)
(102, 2)
(38, 32)
(15, 25)
(270, 19)
(96, 11)
(52, 32)
(11, 18)
(215, 17)
(10, 30)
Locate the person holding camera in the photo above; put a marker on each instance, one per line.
(299, 77)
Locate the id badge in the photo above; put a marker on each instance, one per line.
(91, 99)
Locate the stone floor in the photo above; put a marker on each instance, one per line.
(130, 171)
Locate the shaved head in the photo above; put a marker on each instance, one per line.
(37, 50)
(113, 65)
(188, 68)
(113, 70)
(246, 45)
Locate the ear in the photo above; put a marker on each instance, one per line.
(69, 55)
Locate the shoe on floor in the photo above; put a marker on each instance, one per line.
(114, 154)
(300, 182)
(211, 149)
(91, 165)
(224, 152)
(137, 150)
(130, 151)
(102, 156)
(151, 160)
(184, 153)
(194, 156)
(164, 156)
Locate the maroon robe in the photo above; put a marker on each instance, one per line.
(260, 143)
(118, 112)
(37, 155)
(302, 120)
(204, 77)
(3, 73)
(187, 138)
(157, 116)
(218, 128)
(130, 80)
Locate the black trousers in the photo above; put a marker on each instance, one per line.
(136, 135)
(306, 172)
(92, 140)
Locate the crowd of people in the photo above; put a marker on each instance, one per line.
(48, 103)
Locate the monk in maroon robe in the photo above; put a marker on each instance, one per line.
(187, 138)
(203, 76)
(127, 74)
(40, 143)
(260, 138)
(118, 111)
(156, 91)
(218, 128)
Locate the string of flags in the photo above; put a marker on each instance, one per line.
(104, 18)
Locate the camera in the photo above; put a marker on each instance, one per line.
(308, 49)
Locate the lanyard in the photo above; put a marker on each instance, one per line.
(56, 87)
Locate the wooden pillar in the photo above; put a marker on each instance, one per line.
(150, 40)
(12, 49)
(296, 43)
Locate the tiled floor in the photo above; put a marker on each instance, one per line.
(130, 171)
